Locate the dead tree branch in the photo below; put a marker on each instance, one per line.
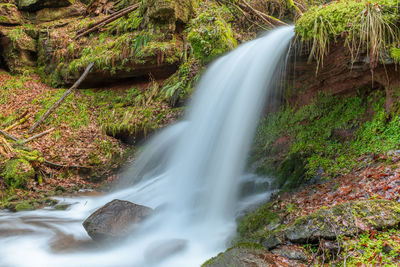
(268, 20)
(58, 103)
(108, 20)
(37, 136)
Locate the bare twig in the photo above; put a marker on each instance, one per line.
(9, 136)
(16, 124)
(60, 166)
(108, 20)
(268, 20)
(58, 103)
(37, 136)
(101, 21)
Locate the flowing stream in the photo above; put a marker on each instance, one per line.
(192, 173)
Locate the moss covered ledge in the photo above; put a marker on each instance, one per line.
(367, 27)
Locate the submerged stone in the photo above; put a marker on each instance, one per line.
(115, 220)
(163, 249)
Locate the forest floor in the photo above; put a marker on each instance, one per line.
(379, 180)
(84, 157)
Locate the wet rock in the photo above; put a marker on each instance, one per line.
(35, 5)
(272, 239)
(291, 252)
(115, 220)
(345, 219)
(9, 15)
(160, 250)
(248, 257)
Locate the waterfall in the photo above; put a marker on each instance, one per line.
(191, 172)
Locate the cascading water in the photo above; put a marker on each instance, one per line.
(191, 172)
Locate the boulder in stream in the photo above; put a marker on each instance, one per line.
(115, 220)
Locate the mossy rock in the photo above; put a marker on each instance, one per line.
(9, 15)
(19, 49)
(211, 35)
(244, 257)
(24, 206)
(291, 173)
(395, 54)
(51, 14)
(18, 172)
(262, 219)
(170, 11)
(35, 5)
(345, 219)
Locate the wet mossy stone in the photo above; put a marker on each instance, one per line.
(18, 172)
(24, 206)
(9, 15)
(262, 219)
(35, 5)
(345, 219)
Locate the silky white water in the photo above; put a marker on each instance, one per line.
(190, 172)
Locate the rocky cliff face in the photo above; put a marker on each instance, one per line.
(340, 76)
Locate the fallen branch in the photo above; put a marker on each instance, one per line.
(101, 21)
(37, 136)
(58, 103)
(2, 152)
(24, 119)
(9, 136)
(244, 13)
(269, 20)
(7, 146)
(60, 166)
(108, 20)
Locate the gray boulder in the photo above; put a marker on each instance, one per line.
(249, 257)
(115, 220)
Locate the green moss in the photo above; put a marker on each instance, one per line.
(262, 219)
(23, 206)
(210, 34)
(124, 52)
(180, 85)
(17, 173)
(313, 140)
(395, 54)
(369, 26)
(74, 109)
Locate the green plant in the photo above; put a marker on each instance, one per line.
(365, 27)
